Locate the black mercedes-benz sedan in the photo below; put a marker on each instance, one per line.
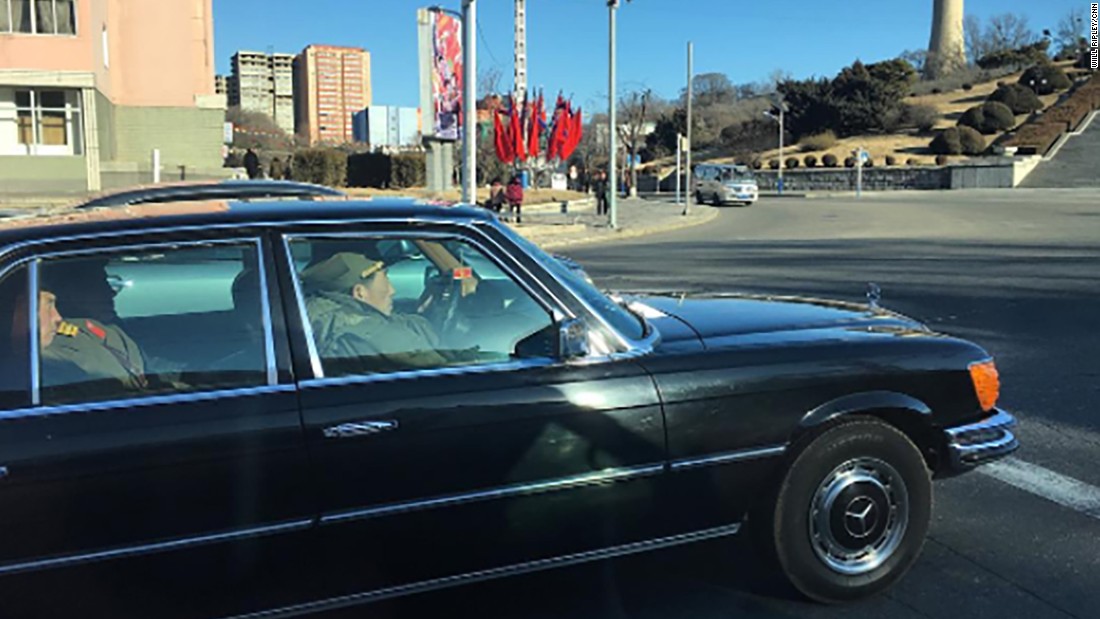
(227, 409)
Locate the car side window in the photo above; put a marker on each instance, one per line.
(389, 304)
(14, 337)
(161, 320)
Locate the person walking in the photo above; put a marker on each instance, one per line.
(599, 187)
(514, 195)
(276, 171)
(252, 164)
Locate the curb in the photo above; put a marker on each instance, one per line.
(630, 234)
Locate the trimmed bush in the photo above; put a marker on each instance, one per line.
(911, 162)
(957, 141)
(828, 160)
(757, 163)
(946, 142)
(773, 164)
(1019, 99)
(891, 160)
(920, 117)
(810, 161)
(870, 163)
(408, 170)
(849, 162)
(322, 166)
(988, 118)
(972, 142)
(968, 86)
(936, 91)
(941, 159)
(791, 163)
(821, 141)
(1045, 78)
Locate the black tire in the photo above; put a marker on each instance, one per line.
(699, 198)
(842, 471)
(715, 200)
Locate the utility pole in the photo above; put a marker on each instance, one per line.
(469, 101)
(520, 76)
(687, 162)
(612, 151)
(679, 143)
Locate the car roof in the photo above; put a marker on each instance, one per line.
(199, 214)
(211, 190)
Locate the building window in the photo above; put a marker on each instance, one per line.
(38, 16)
(40, 122)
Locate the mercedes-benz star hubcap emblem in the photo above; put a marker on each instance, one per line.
(859, 517)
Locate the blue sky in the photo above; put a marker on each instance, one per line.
(567, 39)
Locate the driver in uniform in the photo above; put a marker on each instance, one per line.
(350, 307)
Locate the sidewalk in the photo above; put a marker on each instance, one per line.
(548, 227)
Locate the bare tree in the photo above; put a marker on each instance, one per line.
(1070, 35)
(488, 81)
(1000, 33)
(256, 129)
(634, 108)
(915, 57)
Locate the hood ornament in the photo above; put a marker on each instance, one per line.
(874, 294)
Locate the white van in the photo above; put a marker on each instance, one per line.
(720, 184)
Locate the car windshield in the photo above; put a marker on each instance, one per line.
(623, 320)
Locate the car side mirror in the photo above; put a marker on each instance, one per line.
(573, 338)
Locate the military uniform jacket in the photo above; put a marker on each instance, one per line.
(353, 337)
(87, 355)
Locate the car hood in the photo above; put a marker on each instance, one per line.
(736, 314)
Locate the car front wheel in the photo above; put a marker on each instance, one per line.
(851, 514)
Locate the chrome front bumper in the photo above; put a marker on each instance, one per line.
(977, 443)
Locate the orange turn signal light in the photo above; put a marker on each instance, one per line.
(987, 383)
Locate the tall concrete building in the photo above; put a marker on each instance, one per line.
(88, 88)
(264, 83)
(387, 126)
(946, 48)
(331, 84)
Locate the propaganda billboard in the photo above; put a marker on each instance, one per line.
(446, 74)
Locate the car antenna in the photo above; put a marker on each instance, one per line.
(874, 294)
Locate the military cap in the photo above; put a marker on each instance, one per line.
(341, 272)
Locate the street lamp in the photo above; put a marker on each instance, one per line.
(781, 107)
(612, 176)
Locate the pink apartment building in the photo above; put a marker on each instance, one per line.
(88, 88)
(331, 84)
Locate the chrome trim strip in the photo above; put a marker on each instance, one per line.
(130, 551)
(537, 565)
(514, 490)
(303, 315)
(35, 339)
(730, 456)
(976, 443)
(450, 370)
(268, 323)
(156, 400)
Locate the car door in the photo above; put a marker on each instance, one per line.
(155, 463)
(490, 461)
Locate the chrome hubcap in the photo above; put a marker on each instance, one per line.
(858, 516)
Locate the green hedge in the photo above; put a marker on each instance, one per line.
(387, 171)
(323, 166)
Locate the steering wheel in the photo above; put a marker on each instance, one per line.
(440, 300)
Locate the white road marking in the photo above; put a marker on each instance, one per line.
(1043, 482)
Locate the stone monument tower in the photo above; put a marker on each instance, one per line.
(946, 50)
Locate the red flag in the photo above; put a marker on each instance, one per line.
(576, 128)
(534, 131)
(517, 133)
(500, 139)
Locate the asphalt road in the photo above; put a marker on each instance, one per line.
(1017, 271)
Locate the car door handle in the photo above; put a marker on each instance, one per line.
(359, 428)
